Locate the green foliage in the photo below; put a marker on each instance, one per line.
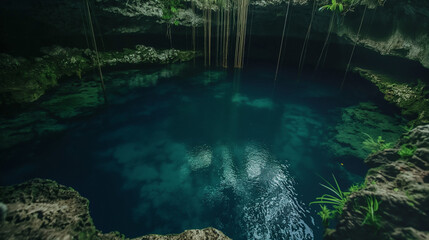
(375, 146)
(326, 214)
(407, 150)
(333, 6)
(169, 9)
(356, 187)
(408, 128)
(371, 217)
(341, 6)
(337, 199)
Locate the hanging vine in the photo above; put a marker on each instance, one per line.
(240, 42)
(91, 27)
(281, 42)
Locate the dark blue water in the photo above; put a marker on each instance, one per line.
(232, 150)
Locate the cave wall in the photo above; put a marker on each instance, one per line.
(394, 27)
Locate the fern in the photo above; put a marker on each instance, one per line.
(337, 199)
(326, 214)
(375, 146)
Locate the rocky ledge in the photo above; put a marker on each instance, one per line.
(26, 80)
(398, 182)
(410, 95)
(44, 209)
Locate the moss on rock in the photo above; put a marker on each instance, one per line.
(26, 80)
(409, 96)
(401, 187)
(359, 120)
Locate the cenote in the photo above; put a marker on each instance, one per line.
(231, 120)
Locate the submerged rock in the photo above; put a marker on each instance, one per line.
(359, 120)
(44, 209)
(27, 126)
(73, 99)
(24, 80)
(400, 183)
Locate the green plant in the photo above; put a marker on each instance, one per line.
(326, 214)
(371, 217)
(169, 10)
(408, 128)
(407, 150)
(339, 5)
(375, 146)
(357, 187)
(333, 6)
(337, 199)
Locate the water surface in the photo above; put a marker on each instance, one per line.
(191, 148)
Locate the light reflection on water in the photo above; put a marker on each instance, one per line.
(223, 153)
(199, 180)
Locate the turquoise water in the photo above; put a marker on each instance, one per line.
(180, 148)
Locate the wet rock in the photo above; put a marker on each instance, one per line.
(44, 209)
(24, 80)
(380, 158)
(410, 96)
(402, 190)
(3, 212)
(206, 233)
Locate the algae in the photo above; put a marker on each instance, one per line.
(359, 120)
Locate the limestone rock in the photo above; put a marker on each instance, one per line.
(44, 209)
(409, 95)
(25, 80)
(401, 186)
(195, 234)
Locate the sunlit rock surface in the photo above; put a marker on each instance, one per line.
(44, 209)
(401, 186)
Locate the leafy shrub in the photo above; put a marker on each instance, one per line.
(407, 150)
